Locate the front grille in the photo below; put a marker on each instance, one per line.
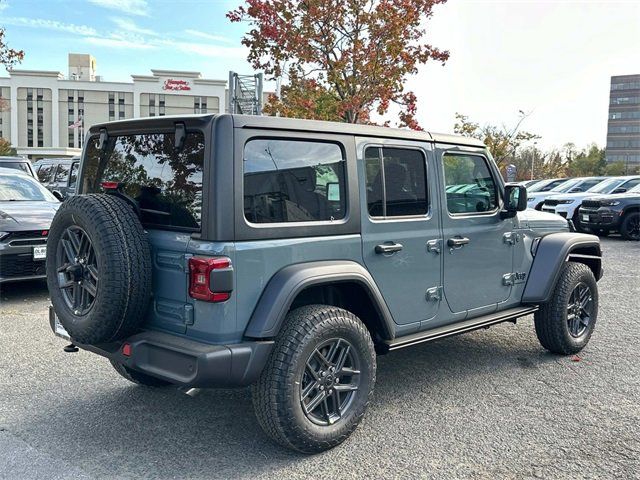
(591, 203)
(551, 203)
(20, 265)
(27, 238)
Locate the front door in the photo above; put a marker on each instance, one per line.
(477, 250)
(400, 228)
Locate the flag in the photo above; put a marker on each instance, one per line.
(77, 123)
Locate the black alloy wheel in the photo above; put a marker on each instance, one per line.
(77, 270)
(579, 310)
(330, 381)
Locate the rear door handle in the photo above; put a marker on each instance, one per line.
(457, 242)
(388, 248)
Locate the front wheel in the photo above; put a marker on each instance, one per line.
(318, 381)
(565, 323)
(630, 229)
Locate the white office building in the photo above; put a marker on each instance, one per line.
(45, 114)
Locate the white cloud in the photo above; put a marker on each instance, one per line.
(206, 50)
(207, 36)
(49, 25)
(130, 7)
(3, 6)
(118, 43)
(130, 26)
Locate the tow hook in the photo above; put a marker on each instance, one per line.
(71, 348)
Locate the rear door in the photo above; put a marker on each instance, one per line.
(401, 240)
(167, 186)
(477, 250)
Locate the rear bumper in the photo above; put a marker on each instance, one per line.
(187, 362)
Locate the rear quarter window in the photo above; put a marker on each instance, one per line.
(165, 182)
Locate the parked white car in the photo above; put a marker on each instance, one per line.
(566, 205)
(574, 185)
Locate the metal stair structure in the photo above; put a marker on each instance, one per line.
(245, 93)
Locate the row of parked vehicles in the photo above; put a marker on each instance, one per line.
(30, 195)
(599, 205)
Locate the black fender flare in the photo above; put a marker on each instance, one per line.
(552, 251)
(281, 290)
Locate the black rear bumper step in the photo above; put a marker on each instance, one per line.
(461, 327)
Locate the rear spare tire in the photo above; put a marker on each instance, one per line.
(98, 268)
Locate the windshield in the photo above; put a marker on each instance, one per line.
(566, 186)
(22, 166)
(540, 185)
(605, 186)
(16, 188)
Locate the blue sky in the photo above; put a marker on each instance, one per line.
(127, 36)
(552, 58)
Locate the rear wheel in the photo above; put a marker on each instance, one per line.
(630, 229)
(318, 381)
(565, 323)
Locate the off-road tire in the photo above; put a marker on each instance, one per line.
(138, 377)
(626, 229)
(123, 260)
(276, 396)
(551, 321)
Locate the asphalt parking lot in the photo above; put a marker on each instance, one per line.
(489, 404)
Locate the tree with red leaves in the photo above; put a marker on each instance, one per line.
(344, 59)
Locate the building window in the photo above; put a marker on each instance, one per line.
(71, 117)
(161, 106)
(200, 105)
(30, 117)
(112, 106)
(40, 116)
(120, 104)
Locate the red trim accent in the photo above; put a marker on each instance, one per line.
(110, 185)
(126, 349)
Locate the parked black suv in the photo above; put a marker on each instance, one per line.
(58, 175)
(620, 212)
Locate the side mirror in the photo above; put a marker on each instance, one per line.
(58, 195)
(515, 200)
(620, 190)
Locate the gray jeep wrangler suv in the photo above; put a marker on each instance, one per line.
(221, 250)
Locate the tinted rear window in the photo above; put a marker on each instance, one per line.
(166, 183)
(22, 166)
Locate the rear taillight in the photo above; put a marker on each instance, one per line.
(210, 279)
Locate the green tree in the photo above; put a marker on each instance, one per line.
(343, 59)
(502, 141)
(591, 161)
(616, 168)
(6, 150)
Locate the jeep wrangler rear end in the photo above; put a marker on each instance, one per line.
(222, 250)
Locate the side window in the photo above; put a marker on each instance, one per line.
(293, 181)
(45, 173)
(396, 182)
(62, 174)
(630, 184)
(469, 185)
(73, 176)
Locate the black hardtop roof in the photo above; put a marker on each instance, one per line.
(280, 123)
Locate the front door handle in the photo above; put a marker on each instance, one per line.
(457, 242)
(388, 248)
